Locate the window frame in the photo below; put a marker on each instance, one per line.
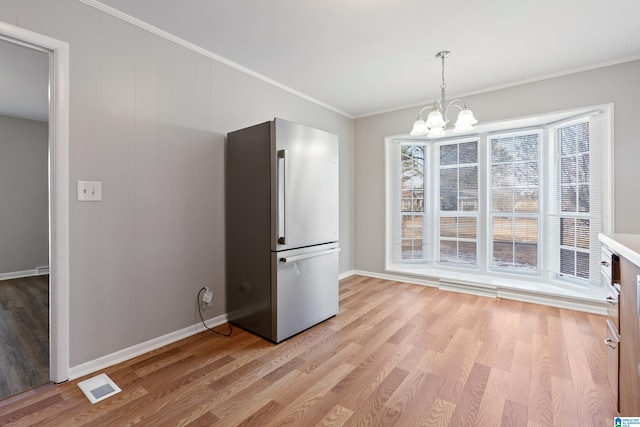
(438, 212)
(542, 144)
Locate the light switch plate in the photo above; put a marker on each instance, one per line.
(89, 191)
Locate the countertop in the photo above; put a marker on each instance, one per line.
(625, 245)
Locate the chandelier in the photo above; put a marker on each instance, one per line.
(437, 120)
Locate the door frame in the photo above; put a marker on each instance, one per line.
(58, 192)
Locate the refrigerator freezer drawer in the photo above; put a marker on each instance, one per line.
(306, 289)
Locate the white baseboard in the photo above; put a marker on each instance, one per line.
(142, 348)
(24, 273)
(590, 306)
(524, 295)
(346, 274)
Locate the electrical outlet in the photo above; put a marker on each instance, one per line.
(207, 297)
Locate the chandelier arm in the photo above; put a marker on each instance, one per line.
(421, 111)
(456, 102)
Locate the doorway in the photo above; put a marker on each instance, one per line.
(24, 222)
(57, 54)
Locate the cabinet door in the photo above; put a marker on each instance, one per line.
(629, 378)
(612, 342)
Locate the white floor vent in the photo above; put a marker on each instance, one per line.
(98, 388)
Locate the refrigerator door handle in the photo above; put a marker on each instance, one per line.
(309, 255)
(282, 194)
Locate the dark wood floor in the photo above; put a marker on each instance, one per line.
(397, 354)
(24, 334)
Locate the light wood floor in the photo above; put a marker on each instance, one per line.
(24, 334)
(397, 354)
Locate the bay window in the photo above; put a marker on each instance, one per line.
(526, 201)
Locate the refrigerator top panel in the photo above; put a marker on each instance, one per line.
(304, 180)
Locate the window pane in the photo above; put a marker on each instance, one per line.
(582, 233)
(526, 200)
(467, 253)
(526, 174)
(449, 189)
(569, 199)
(411, 226)
(467, 227)
(567, 262)
(469, 178)
(448, 251)
(502, 150)
(412, 162)
(567, 141)
(583, 205)
(449, 154)
(502, 229)
(582, 265)
(448, 200)
(502, 175)
(469, 152)
(449, 178)
(448, 227)
(502, 254)
(582, 135)
(411, 249)
(525, 230)
(526, 256)
(568, 171)
(502, 200)
(407, 204)
(567, 232)
(526, 147)
(502, 241)
(583, 168)
(468, 198)
(526, 242)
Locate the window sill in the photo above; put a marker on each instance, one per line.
(563, 295)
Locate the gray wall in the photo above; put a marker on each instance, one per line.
(24, 227)
(616, 84)
(148, 118)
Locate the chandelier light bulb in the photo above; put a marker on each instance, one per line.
(419, 127)
(465, 121)
(435, 120)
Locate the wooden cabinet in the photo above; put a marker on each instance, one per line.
(629, 365)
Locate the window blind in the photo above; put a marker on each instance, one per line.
(575, 202)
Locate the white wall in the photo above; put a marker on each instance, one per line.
(24, 227)
(616, 84)
(148, 118)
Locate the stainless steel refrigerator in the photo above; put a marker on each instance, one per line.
(282, 228)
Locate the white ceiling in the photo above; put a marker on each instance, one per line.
(366, 56)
